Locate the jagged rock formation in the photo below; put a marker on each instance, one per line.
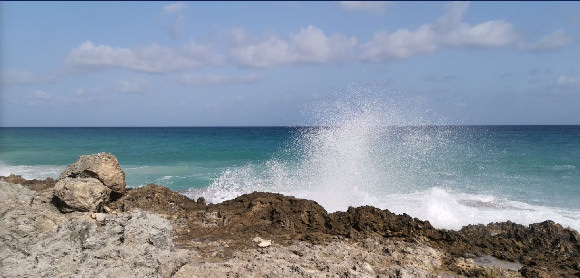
(36, 240)
(154, 232)
(542, 249)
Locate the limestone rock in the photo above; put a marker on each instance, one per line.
(81, 194)
(262, 243)
(36, 240)
(101, 166)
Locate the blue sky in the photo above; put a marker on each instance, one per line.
(265, 63)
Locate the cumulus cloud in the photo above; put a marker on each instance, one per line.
(553, 41)
(153, 58)
(309, 45)
(448, 31)
(174, 7)
(19, 77)
(568, 81)
(375, 7)
(400, 44)
(213, 80)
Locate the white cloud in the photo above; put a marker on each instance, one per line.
(174, 7)
(447, 31)
(495, 33)
(452, 18)
(568, 81)
(173, 18)
(211, 80)
(553, 41)
(267, 53)
(18, 77)
(375, 7)
(153, 58)
(309, 45)
(400, 44)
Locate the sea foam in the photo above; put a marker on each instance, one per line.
(31, 171)
(382, 152)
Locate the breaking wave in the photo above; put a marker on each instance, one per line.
(388, 153)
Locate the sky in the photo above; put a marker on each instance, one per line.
(268, 63)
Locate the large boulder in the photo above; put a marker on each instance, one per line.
(81, 194)
(101, 166)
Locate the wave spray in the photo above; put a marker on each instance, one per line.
(390, 153)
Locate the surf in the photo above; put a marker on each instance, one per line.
(389, 153)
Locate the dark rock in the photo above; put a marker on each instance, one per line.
(36, 185)
(541, 248)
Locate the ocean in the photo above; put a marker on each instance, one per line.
(450, 175)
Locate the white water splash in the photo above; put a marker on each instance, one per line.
(379, 152)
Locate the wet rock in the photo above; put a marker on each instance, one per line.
(155, 198)
(544, 247)
(101, 166)
(81, 194)
(36, 185)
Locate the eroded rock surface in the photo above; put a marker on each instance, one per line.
(154, 232)
(101, 166)
(541, 248)
(81, 194)
(36, 240)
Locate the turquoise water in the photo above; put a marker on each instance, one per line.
(179, 158)
(449, 175)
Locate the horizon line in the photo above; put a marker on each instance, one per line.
(275, 126)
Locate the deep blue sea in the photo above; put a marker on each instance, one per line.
(449, 175)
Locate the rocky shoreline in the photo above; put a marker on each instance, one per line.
(47, 230)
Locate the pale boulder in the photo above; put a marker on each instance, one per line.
(101, 166)
(81, 194)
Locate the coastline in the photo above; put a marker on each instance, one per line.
(174, 236)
